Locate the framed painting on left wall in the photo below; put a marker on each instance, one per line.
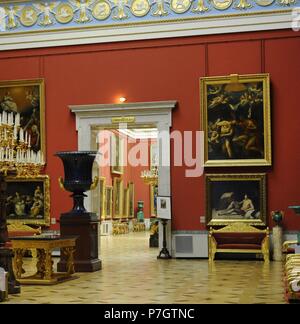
(26, 97)
(28, 200)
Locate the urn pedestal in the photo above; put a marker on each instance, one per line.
(85, 227)
(79, 222)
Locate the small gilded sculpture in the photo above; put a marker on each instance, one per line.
(45, 10)
(243, 4)
(160, 11)
(286, 2)
(120, 9)
(200, 7)
(11, 14)
(83, 6)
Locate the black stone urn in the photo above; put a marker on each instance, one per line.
(78, 222)
(78, 175)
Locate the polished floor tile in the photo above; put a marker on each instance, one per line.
(131, 274)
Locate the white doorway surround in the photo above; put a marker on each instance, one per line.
(91, 118)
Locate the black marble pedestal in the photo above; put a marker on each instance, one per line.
(85, 227)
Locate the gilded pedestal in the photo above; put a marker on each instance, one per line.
(45, 274)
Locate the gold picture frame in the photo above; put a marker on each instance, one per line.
(153, 200)
(27, 97)
(232, 198)
(126, 203)
(131, 199)
(118, 198)
(108, 202)
(28, 200)
(102, 195)
(236, 120)
(117, 152)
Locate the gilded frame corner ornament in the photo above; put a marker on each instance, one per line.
(28, 98)
(28, 200)
(236, 198)
(236, 120)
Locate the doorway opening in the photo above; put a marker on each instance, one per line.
(126, 198)
(90, 119)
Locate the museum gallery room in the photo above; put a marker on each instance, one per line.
(148, 152)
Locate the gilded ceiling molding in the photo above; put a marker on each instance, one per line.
(65, 16)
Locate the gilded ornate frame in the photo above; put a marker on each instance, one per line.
(16, 90)
(108, 201)
(102, 196)
(126, 202)
(118, 198)
(117, 143)
(20, 185)
(260, 178)
(153, 212)
(241, 81)
(131, 199)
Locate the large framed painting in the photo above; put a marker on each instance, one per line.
(153, 200)
(26, 97)
(102, 192)
(236, 198)
(28, 200)
(108, 202)
(118, 198)
(126, 203)
(131, 199)
(117, 151)
(236, 120)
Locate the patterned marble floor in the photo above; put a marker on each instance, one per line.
(131, 274)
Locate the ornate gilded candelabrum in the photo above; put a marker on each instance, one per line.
(16, 158)
(150, 177)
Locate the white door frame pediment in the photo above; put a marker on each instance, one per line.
(158, 113)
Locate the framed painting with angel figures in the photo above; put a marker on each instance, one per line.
(236, 120)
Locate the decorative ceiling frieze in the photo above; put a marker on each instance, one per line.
(23, 17)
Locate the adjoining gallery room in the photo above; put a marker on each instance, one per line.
(148, 152)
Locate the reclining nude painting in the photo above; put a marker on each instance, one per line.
(235, 198)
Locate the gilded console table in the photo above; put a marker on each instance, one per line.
(44, 265)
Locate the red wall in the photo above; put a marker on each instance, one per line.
(170, 69)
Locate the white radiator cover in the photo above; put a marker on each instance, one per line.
(106, 228)
(194, 245)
